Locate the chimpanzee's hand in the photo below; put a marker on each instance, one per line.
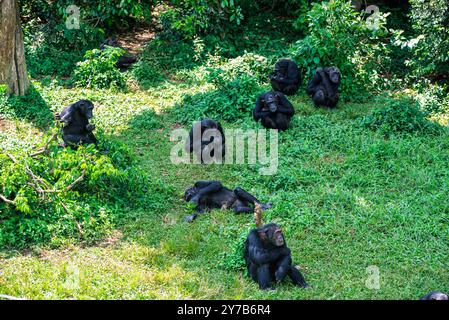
(90, 127)
(195, 199)
(190, 218)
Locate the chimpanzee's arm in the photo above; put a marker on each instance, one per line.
(314, 82)
(283, 266)
(285, 106)
(257, 112)
(256, 252)
(206, 187)
(293, 74)
(263, 276)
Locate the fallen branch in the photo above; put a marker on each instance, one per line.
(77, 223)
(7, 200)
(44, 149)
(74, 183)
(7, 297)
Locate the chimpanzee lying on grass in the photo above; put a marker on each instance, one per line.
(213, 195)
(125, 61)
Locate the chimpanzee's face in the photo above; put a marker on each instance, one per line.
(86, 108)
(278, 237)
(334, 75)
(190, 193)
(273, 234)
(271, 101)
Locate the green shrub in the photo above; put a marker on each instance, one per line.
(430, 47)
(400, 116)
(432, 98)
(190, 18)
(338, 36)
(65, 194)
(237, 83)
(99, 70)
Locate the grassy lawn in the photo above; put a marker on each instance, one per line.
(346, 197)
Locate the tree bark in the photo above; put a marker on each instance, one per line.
(13, 69)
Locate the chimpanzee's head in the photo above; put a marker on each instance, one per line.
(272, 101)
(334, 74)
(85, 107)
(272, 234)
(209, 124)
(435, 295)
(190, 193)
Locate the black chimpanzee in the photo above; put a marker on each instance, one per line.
(268, 258)
(274, 110)
(208, 195)
(125, 61)
(76, 128)
(212, 147)
(286, 77)
(323, 88)
(435, 295)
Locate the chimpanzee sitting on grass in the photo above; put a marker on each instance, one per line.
(273, 110)
(323, 88)
(77, 129)
(268, 258)
(286, 77)
(208, 195)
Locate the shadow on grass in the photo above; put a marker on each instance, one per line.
(31, 107)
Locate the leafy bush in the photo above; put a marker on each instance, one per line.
(430, 47)
(65, 194)
(400, 116)
(432, 98)
(98, 70)
(237, 83)
(338, 36)
(189, 18)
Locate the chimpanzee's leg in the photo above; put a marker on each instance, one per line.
(263, 276)
(206, 187)
(297, 277)
(252, 271)
(246, 197)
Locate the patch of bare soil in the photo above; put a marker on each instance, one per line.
(134, 40)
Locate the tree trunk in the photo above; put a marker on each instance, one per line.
(13, 69)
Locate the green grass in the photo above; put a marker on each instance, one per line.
(346, 197)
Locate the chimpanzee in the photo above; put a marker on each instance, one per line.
(435, 295)
(125, 61)
(268, 258)
(286, 77)
(274, 110)
(323, 88)
(195, 143)
(76, 128)
(208, 195)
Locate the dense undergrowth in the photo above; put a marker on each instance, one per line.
(362, 185)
